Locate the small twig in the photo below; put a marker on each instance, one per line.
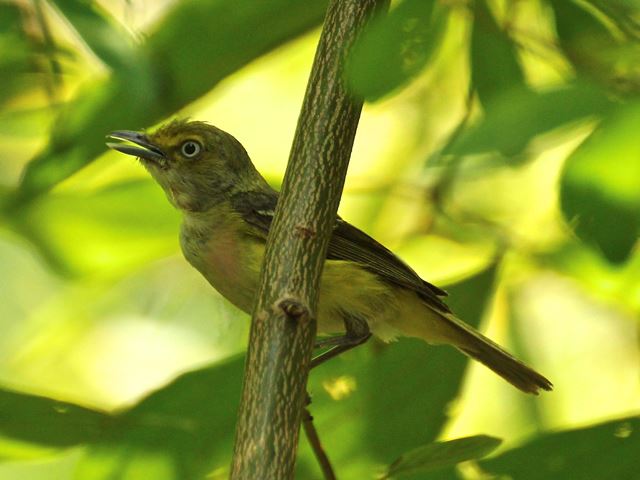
(316, 445)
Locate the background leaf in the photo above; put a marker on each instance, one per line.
(437, 455)
(495, 69)
(599, 190)
(182, 431)
(403, 41)
(608, 450)
(109, 41)
(213, 39)
(587, 42)
(525, 114)
(24, 62)
(40, 420)
(106, 232)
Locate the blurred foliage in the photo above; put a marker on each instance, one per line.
(403, 41)
(608, 446)
(148, 83)
(497, 155)
(438, 455)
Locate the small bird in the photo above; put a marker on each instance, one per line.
(228, 208)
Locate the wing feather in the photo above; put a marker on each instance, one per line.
(347, 243)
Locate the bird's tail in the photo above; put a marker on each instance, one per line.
(472, 343)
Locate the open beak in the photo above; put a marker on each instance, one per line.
(137, 145)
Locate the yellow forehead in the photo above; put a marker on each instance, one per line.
(177, 132)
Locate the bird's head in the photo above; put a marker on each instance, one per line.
(196, 164)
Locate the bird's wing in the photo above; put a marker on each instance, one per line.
(347, 243)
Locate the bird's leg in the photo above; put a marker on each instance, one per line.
(329, 342)
(357, 333)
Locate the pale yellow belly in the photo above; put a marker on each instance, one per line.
(345, 288)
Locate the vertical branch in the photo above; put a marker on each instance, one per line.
(284, 319)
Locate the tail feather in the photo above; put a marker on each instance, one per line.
(490, 354)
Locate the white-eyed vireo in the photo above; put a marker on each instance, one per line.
(228, 208)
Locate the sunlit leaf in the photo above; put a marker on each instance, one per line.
(589, 43)
(608, 450)
(110, 42)
(17, 70)
(402, 41)
(599, 190)
(108, 231)
(182, 431)
(495, 68)
(622, 13)
(80, 128)
(515, 118)
(439, 455)
(15, 450)
(618, 284)
(197, 44)
(25, 123)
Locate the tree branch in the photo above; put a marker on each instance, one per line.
(283, 328)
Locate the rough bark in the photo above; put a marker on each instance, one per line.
(283, 328)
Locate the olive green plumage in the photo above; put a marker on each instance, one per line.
(227, 209)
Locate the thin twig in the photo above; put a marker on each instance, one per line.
(316, 445)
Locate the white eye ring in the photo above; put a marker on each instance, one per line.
(190, 148)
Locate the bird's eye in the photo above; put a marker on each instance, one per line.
(190, 148)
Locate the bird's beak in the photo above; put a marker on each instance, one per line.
(141, 147)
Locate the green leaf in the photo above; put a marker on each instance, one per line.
(196, 45)
(16, 75)
(10, 17)
(622, 13)
(79, 130)
(495, 68)
(575, 20)
(109, 41)
(103, 232)
(25, 122)
(40, 420)
(396, 47)
(182, 431)
(599, 189)
(607, 450)
(202, 41)
(512, 120)
(439, 455)
(178, 432)
(617, 284)
(585, 39)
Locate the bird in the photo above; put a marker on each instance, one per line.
(227, 209)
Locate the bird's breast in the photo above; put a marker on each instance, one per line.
(229, 263)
